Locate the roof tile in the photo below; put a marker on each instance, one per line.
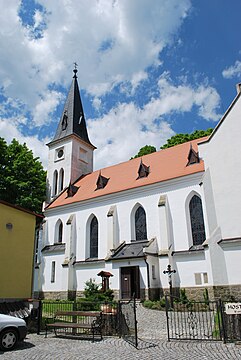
(165, 165)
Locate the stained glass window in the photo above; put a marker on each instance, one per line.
(140, 224)
(197, 221)
(94, 238)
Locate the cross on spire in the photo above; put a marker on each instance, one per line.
(75, 70)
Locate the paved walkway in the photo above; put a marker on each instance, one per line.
(152, 330)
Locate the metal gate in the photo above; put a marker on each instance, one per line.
(192, 320)
(128, 322)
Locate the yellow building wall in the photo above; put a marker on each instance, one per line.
(16, 252)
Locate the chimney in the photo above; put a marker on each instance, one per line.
(238, 87)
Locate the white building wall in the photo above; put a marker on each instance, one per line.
(186, 266)
(232, 256)
(60, 283)
(222, 162)
(176, 192)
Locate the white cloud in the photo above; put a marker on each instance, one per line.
(232, 71)
(119, 134)
(125, 37)
(182, 98)
(122, 132)
(46, 106)
(9, 131)
(114, 43)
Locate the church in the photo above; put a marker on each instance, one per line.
(170, 217)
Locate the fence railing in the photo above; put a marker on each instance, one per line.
(193, 320)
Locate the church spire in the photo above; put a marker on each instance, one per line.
(72, 121)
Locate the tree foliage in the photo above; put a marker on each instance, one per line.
(182, 138)
(148, 149)
(22, 177)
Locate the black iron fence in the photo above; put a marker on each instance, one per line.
(127, 321)
(191, 320)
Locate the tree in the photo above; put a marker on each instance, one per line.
(148, 149)
(182, 138)
(22, 177)
(3, 163)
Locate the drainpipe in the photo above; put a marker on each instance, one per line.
(148, 276)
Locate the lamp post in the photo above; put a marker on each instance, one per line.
(169, 271)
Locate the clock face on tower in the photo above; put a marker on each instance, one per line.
(60, 153)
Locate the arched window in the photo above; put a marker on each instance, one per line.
(197, 221)
(94, 238)
(55, 182)
(140, 224)
(61, 179)
(59, 232)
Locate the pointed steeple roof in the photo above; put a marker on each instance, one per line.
(72, 120)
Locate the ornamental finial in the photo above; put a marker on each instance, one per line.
(75, 70)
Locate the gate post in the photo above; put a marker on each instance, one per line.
(223, 323)
(39, 319)
(119, 318)
(168, 330)
(136, 339)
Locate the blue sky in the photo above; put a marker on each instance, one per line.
(147, 69)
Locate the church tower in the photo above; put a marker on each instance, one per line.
(70, 151)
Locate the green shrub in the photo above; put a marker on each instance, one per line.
(155, 305)
(94, 295)
(183, 296)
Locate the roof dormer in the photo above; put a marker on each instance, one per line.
(193, 157)
(143, 170)
(72, 190)
(101, 182)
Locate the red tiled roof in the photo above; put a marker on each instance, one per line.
(164, 165)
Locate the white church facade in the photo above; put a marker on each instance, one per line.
(179, 207)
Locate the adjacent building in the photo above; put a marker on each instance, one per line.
(18, 229)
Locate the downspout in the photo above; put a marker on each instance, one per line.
(148, 276)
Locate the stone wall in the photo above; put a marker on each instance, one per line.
(53, 295)
(229, 293)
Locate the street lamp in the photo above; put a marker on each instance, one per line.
(169, 271)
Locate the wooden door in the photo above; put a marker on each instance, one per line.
(130, 282)
(125, 283)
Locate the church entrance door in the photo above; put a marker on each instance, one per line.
(130, 282)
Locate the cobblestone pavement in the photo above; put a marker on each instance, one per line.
(152, 331)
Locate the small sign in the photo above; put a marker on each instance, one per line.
(233, 308)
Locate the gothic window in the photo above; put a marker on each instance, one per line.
(94, 238)
(59, 232)
(53, 272)
(140, 224)
(55, 182)
(61, 179)
(197, 221)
